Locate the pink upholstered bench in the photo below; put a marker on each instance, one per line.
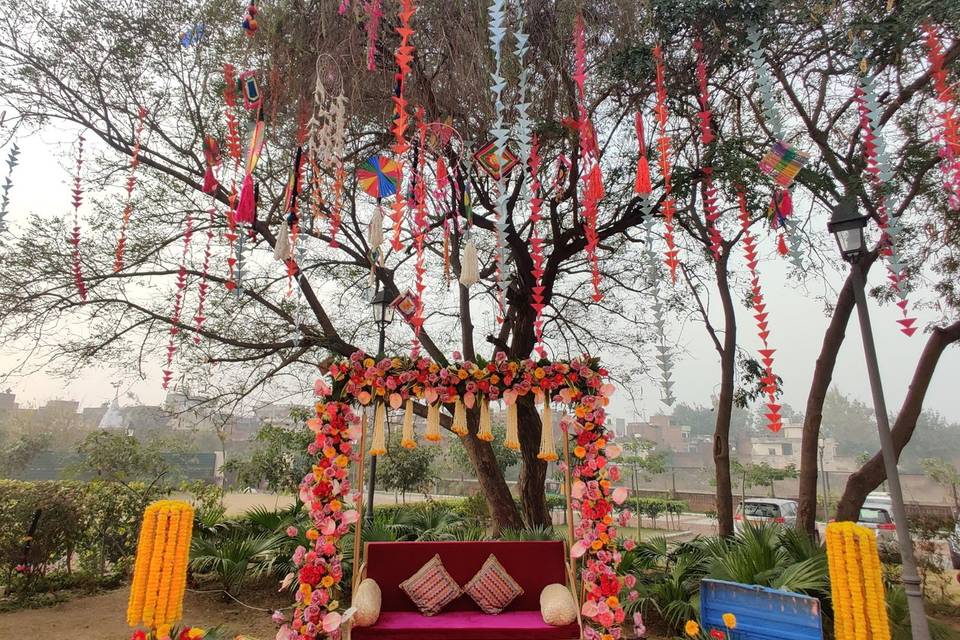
(533, 565)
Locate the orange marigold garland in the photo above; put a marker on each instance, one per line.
(774, 421)
(592, 177)
(131, 182)
(663, 149)
(75, 234)
(707, 137)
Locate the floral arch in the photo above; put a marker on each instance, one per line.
(579, 386)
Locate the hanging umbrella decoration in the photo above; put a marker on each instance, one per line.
(12, 160)
(378, 176)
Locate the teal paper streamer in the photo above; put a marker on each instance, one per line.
(12, 161)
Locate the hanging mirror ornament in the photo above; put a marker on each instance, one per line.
(12, 161)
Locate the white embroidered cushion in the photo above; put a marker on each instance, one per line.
(367, 603)
(557, 605)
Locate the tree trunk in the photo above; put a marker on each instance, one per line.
(533, 471)
(503, 510)
(721, 434)
(872, 474)
(813, 416)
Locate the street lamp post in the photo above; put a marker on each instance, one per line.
(826, 485)
(382, 315)
(848, 228)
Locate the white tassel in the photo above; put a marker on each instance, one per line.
(470, 267)
(375, 229)
(547, 450)
(485, 433)
(378, 446)
(433, 423)
(282, 251)
(512, 441)
(407, 441)
(459, 419)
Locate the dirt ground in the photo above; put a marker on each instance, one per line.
(102, 616)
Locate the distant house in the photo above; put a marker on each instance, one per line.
(661, 431)
(783, 448)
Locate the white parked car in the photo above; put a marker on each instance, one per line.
(766, 510)
(877, 516)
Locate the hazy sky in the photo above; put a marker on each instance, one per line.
(797, 322)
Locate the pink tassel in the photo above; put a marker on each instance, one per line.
(210, 183)
(782, 245)
(245, 208)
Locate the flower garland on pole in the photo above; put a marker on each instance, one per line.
(580, 384)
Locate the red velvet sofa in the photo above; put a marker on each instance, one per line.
(533, 565)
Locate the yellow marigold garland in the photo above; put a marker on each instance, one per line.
(856, 583)
(160, 569)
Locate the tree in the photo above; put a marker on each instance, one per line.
(946, 475)
(761, 475)
(406, 470)
(118, 457)
(279, 460)
(505, 457)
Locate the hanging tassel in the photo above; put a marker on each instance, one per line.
(407, 441)
(782, 245)
(283, 251)
(470, 269)
(210, 183)
(433, 423)
(378, 446)
(786, 204)
(512, 440)
(485, 433)
(247, 203)
(375, 230)
(547, 450)
(459, 418)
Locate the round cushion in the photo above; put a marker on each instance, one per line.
(367, 602)
(557, 605)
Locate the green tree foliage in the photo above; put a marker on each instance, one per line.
(946, 475)
(119, 457)
(406, 470)
(15, 456)
(760, 475)
(505, 457)
(279, 460)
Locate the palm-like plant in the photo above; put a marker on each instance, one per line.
(235, 555)
(429, 522)
(536, 532)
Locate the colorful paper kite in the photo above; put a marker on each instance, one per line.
(379, 176)
(489, 161)
(783, 162)
(406, 305)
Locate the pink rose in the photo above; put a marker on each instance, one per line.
(292, 531)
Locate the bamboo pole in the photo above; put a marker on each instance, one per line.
(568, 488)
(358, 525)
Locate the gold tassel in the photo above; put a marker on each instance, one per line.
(512, 440)
(547, 450)
(470, 268)
(485, 433)
(459, 418)
(407, 441)
(378, 446)
(433, 423)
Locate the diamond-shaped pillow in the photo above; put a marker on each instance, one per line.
(431, 588)
(492, 588)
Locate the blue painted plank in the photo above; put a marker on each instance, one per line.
(762, 613)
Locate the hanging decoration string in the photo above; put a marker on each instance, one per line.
(420, 227)
(12, 161)
(769, 380)
(131, 183)
(664, 355)
(374, 11)
(75, 234)
(781, 206)
(199, 318)
(948, 138)
(501, 134)
(711, 212)
(641, 185)
(879, 175)
(591, 176)
(536, 246)
(235, 151)
(403, 57)
(178, 300)
(663, 149)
